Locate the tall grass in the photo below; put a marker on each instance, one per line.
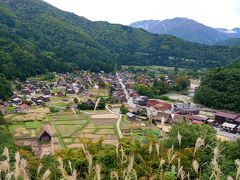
(127, 165)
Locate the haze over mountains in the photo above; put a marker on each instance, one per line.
(188, 30)
(36, 37)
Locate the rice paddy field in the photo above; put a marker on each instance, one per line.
(68, 127)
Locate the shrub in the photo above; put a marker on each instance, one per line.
(54, 109)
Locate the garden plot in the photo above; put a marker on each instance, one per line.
(68, 116)
(33, 125)
(71, 127)
(100, 127)
(97, 112)
(38, 113)
(25, 130)
(24, 133)
(66, 124)
(104, 131)
(68, 130)
(58, 101)
(74, 145)
(104, 119)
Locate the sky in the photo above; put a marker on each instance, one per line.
(214, 13)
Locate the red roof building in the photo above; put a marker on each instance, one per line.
(161, 106)
(222, 117)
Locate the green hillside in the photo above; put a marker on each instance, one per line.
(36, 37)
(220, 88)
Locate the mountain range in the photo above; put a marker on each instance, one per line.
(188, 30)
(36, 37)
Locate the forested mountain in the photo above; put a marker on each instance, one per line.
(233, 42)
(36, 37)
(187, 29)
(220, 88)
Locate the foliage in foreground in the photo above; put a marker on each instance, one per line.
(203, 158)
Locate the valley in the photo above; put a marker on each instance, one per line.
(68, 106)
(86, 99)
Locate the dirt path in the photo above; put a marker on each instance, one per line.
(118, 122)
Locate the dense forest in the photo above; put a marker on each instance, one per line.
(190, 152)
(36, 37)
(220, 88)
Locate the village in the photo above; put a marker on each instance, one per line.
(62, 111)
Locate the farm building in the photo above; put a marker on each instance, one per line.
(160, 116)
(45, 135)
(229, 117)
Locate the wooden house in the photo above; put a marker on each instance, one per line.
(59, 94)
(90, 102)
(177, 118)
(21, 108)
(161, 115)
(141, 100)
(38, 102)
(26, 91)
(45, 135)
(47, 92)
(45, 98)
(70, 91)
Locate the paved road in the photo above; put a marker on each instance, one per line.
(129, 99)
(231, 136)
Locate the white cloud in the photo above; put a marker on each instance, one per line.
(215, 13)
